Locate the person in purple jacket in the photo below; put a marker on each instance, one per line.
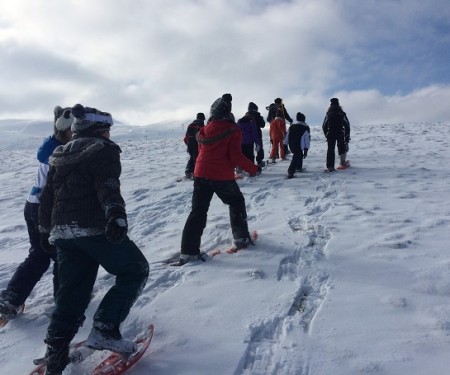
(250, 137)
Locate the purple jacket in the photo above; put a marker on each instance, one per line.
(249, 131)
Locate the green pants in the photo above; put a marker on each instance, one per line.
(78, 262)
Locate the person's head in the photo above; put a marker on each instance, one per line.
(300, 117)
(91, 121)
(334, 102)
(252, 106)
(62, 124)
(221, 108)
(278, 101)
(200, 116)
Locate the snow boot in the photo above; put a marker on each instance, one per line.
(8, 310)
(186, 258)
(242, 243)
(57, 355)
(107, 337)
(343, 161)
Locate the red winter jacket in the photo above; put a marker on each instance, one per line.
(220, 152)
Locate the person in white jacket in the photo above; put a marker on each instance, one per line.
(299, 142)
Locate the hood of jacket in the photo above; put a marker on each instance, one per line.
(215, 131)
(79, 149)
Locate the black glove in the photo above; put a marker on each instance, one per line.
(116, 229)
(305, 153)
(47, 246)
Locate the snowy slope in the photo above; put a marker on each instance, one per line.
(350, 274)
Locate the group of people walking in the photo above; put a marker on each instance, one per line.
(75, 212)
(283, 140)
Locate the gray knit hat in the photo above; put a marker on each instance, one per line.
(91, 119)
(221, 108)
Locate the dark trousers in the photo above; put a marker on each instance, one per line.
(193, 153)
(230, 194)
(79, 260)
(296, 162)
(30, 271)
(247, 150)
(332, 141)
(260, 153)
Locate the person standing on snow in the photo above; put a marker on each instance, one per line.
(260, 124)
(219, 153)
(191, 142)
(82, 216)
(250, 137)
(30, 271)
(336, 129)
(277, 133)
(275, 107)
(299, 143)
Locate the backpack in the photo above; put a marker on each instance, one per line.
(335, 120)
(273, 108)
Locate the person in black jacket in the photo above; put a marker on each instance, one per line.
(299, 143)
(336, 129)
(82, 217)
(192, 144)
(274, 107)
(260, 124)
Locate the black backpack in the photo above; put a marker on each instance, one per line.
(273, 108)
(335, 120)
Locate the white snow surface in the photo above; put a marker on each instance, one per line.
(350, 274)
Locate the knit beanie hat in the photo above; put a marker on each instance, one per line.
(252, 106)
(221, 108)
(334, 101)
(201, 116)
(65, 118)
(300, 117)
(91, 119)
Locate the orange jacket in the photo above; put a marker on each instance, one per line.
(277, 128)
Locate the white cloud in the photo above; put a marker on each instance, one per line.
(149, 61)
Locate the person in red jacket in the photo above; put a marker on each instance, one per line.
(219, 153)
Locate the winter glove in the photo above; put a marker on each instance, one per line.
(116, 229)
(305, 153)
(346, 147)
(46, 245)
(257, 148)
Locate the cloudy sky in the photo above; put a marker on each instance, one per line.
(147, 61)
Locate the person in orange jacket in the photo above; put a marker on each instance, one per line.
(277, 133)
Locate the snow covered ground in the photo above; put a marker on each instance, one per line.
(350, 275)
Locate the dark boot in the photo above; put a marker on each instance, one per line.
(57, 355)
(108, 337)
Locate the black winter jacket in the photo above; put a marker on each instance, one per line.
(336, 124)
(83, 188)
(299, 137)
